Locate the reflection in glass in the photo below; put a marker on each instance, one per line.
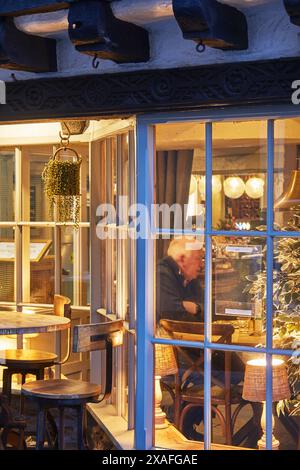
(238, 286)
(240, 163)
(41, 254)
(7, 265)
(180, 175)
(287, 174)
(7, 186)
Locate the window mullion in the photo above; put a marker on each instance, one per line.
(208, 281)
(269, 302)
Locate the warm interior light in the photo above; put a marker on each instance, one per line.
(255, 187)
(215, 183)
(193, 185)
(234, 187)
(263, 363)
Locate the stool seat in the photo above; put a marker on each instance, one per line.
(60, 389)
(29, 357)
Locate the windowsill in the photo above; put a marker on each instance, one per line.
(113, 425)
(169, 438)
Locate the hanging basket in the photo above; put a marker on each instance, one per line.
(62, 186)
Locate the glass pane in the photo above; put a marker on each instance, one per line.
(67, 262)
(7, 186)
(41, 255)
(172, 365)
(83, 150)
(239, 169)
(180, 175)
(7, 265)
(82, 263)
(239, 287)
(287, 174)
(35, 203)
(236, 407)
(180, 280)
(286, 327)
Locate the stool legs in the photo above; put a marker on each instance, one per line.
(40, 431)
(61, 428)
(80, 427)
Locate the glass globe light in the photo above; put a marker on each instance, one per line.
(215, 182)
(255, 187)
(234, 187)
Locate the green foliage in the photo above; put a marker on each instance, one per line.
(62, 188)
(286, 304)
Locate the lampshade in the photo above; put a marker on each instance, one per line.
(291, 197)
(215, 183)
(193, 185)
(255, 187)
(255, 381)
(165, 360)
(234, 187)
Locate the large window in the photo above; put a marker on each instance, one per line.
(220, 283)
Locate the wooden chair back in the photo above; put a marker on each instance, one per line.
(100, 336)
(62, 306)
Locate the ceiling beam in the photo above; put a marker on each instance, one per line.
(21, 51)
(293, 9)
(212, 23)
(94, 30)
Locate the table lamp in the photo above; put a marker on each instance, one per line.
(254, 390)
(165, 364)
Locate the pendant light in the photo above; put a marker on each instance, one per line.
(234, 187)
(255, 187)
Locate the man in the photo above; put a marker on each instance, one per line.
(179, 293)
(180, 297)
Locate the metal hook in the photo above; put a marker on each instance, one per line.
(200, 47)
(65, 138)
(95, 62)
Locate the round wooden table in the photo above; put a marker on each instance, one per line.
(16, 323)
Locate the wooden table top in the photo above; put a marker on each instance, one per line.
(16, 323)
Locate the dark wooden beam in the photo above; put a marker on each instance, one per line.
(293, 9)
(27, 7)
(94, 30)
(212, 23)
(21, 51)
(192, 88)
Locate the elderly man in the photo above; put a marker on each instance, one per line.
(179, 293)
(179, 297)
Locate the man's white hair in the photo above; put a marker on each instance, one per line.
(184, 246)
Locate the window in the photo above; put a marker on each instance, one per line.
(242, 177)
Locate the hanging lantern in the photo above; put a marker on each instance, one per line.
(234, 187)
(62, 186)
(255, 187)
(215, 183)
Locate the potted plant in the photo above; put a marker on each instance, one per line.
(62, 186)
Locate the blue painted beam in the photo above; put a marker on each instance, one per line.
(21, 51)
(212, 24)
(95, 31)
(293, 9)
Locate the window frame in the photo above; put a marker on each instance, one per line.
(146, 339)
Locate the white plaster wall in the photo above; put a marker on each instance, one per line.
(271, 35)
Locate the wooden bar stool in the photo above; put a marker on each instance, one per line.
(66, 393)
(32, 361)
